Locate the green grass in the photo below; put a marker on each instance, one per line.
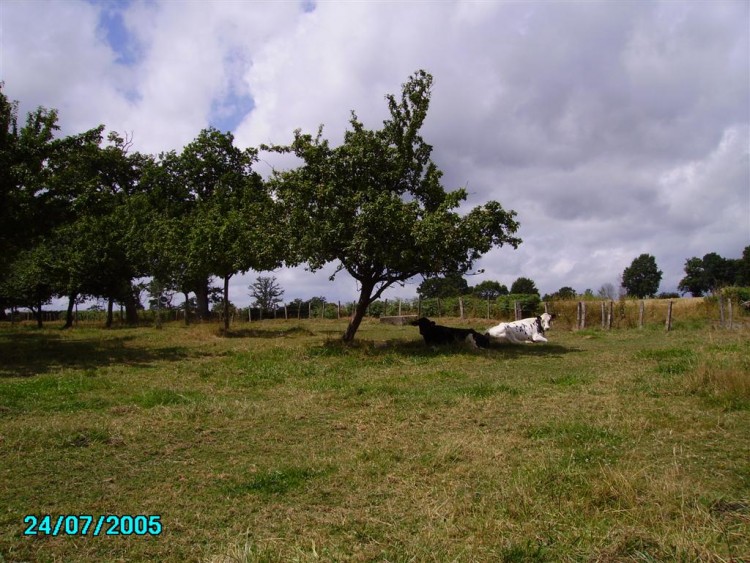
(278, 443)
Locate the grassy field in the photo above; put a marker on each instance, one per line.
(277, 443)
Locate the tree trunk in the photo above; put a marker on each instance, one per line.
(201, 301)
(110, 303)
(226, 304)
(131, 306)
(69, 312)
(39, 315)
(187, 309)
(359, 312)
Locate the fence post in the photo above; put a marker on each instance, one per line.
(488, 308)
(604, 316)
(641, 308)
(461, 307)
(721, 310)
(610, 314)
(731, 316)
(669, 316)
(438, 307)
(579, 308)
(399, 307)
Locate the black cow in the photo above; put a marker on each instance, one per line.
(434, 334)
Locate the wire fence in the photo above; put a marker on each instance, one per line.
(569, 314)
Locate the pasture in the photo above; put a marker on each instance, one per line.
(277, 443)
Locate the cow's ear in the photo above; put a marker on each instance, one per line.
(553, 316)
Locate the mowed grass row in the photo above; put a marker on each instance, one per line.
(278, 443)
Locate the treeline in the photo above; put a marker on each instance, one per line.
(87, 216)
(714, 272)
(710, 275)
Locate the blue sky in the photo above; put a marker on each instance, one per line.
(612, 128)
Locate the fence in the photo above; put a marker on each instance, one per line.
(631, 313)
(570, 314)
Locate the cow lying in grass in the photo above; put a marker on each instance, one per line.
(525, 330)
(435, 334)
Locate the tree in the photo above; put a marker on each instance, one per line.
(169, 232)
(449, 285)
(266, 292)
(375, 204)
(607, 291)
(236, 225)
(642, 277)
(694, 281)
(566, 293)
(489, 289)
(524, 286)
(27, 207)
(30, 282)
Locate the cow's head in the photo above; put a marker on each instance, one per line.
(423, 323)
(545, 321)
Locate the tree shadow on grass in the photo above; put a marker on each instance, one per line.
(29, 354)
(262, 333)
(417, 348)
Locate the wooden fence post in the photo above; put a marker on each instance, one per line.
(641, 308)
(731, 319)
(721, 310)
(488, 308)
(669, 316)
(461, 307)
(419, 306)
(610, 314)
(604, 316)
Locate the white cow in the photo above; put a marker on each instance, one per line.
(525, 330)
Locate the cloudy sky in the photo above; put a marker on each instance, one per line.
(613, 128)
